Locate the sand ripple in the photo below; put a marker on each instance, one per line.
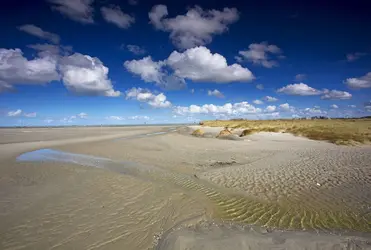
(247, 208)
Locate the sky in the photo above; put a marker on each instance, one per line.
(101, 62)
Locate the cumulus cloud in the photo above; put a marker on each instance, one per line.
(226, 109)
(285, 107)
(336, 95)
(360, 82)
(17, 112)
(312, 111)
(83, 74)
(334, 106)
(300, 89)
(351, 57)
(144, 95)
(270, 108)
(196, 64)
(16, 69)
(114, 14)
(146, 68)
(258, 102)
(200, 65)
(151, 71)
(261, 54)
(135, 49)
(44, 50)
(215, 93)
(300, 77)
(78, 10)
(259, 86)
(196, 27)
(38, 32)
(270, 99)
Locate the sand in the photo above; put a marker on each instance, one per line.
(140, 183)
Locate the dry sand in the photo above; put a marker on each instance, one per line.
(153, 184)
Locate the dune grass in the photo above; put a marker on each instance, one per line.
(338, 131)
(198, 132)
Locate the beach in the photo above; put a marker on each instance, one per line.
(158, 187)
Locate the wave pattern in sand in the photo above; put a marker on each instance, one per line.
(248, 208)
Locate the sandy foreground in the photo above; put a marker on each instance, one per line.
(154, 187)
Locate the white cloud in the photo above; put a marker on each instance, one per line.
(192, 91)
(200, 65)
(260, 86)
(286, 107)
(270, 108)
(135, 49)
(270, 99)
(334, 106)
(38, 32)
(83, 74)
(78, 10)
(144, 95)
(215, 93)
(312, 111)
(299, 89)
(17, 112)
(197, 64)
(114, 14)
(30, 115)
(151, 71)
(351, 57)
(226, 109)
(115, 118)
(360, 82)
(83, 115)
(336, 95)
(260, 54)
(258, 102)
(196, 27)
(352, 106)
(300, 77)
(146, 68)
(16, 69)
(45, 50)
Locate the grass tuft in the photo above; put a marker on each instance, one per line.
(198, 132)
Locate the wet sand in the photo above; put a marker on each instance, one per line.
(142, 186)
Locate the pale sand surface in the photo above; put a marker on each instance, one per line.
(276, 180)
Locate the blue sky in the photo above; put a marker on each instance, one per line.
(129, 62)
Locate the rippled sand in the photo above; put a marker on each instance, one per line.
(149, 184)
(221, 236)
